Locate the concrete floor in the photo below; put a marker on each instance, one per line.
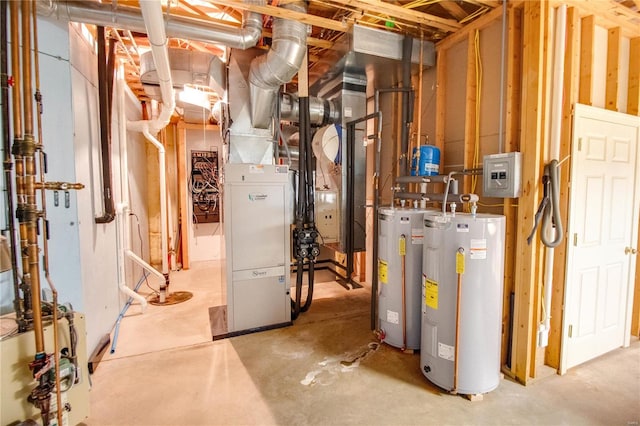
(326, 369)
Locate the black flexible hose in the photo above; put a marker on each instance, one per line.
(295, 303)
(105, 134)
(307, 303)
(551, 215)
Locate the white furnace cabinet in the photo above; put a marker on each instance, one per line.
(257, 222)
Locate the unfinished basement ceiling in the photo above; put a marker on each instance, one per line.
(431, 20)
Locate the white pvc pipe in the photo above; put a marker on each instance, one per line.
(152, 14)
(122, 281)
(558, 80)
(144, 264)
(154, 22)
(553, 154)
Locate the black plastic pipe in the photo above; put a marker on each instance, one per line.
(407, 108)
(349, 240)
(105, 133)
(8, 163)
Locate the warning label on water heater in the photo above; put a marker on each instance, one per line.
(382, 271)
(446, 352)
(417, 236)
(478, 249)
(430, 293)
(393, 317)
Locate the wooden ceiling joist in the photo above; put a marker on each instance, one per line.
(403, 14)
(608, 14)
(280, 12)
(454, 9)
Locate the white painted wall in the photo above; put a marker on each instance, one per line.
(82, 253)
(102, 299)
(205, 239)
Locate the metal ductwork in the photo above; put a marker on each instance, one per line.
(270, 71)
(129, 18)
(321, 111)
(188, 67)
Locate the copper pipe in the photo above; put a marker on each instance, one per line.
(457, 343)
(19, 161)
(15, 71)
(57, 186)
(45, 236)
(26, 67)
(8, 163)
(29, 213)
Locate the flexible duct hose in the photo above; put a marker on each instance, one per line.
(553, 209)
(549, 209)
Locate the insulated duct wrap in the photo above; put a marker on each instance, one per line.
(270, 71)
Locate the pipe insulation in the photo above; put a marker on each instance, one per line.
(128, 18)
(268, 72)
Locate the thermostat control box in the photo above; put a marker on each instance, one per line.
(502, 175)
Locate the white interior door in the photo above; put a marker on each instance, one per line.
(603, 218)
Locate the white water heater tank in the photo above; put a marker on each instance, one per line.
(400, 241)
(468, 252)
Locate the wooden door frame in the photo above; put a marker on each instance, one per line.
(586, 111)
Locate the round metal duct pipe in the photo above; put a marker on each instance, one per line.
(129, 18)
(270, 71)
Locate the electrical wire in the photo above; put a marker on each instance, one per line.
(476, 146)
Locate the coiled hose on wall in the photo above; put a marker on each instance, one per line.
(549, 209)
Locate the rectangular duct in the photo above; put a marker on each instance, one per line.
(187, 68)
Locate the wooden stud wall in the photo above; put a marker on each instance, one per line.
(633, 107)
(441, 90)
(532, 139)
(183, 193)
(588, 30)
(470, 111)
(633, 99)
(613, 59)
(571, 83)
(512, 139)
(527, 101)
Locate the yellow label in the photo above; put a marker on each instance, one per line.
(459, 263)
(383, 268)
(402, 246)
(431, 293)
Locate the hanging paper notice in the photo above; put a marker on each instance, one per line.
(478, 249)
(431, 293)
(402, 246)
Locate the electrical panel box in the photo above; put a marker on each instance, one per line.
(204, 186)
(502, 175)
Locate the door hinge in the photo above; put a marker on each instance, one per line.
(570, 330)
(575, 240)
(579, 144)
